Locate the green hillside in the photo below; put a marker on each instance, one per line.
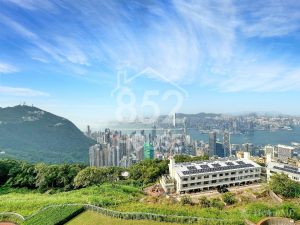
(31, 134)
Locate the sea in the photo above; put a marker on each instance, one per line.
(258, 137)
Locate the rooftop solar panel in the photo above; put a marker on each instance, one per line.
(291, 168)
(216, 165)
(204, 166)
(229, 163)
(191, 168)
(222, 168)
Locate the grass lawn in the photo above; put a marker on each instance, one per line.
(93, 218)
(25, 202)
(127, 199)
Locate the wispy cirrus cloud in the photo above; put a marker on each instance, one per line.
(215, 44)
(20, 91)
(7, 68)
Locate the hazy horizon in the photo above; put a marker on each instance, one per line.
(97, 61)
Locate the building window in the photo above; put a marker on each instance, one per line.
(192, 184)
(213, 181)
(185, 185)
(233, 178)
(192, 178)
(199, 183)
(199, 178)
(214, 175)
(206, 182)
(226, 174)
(221, 174)
(232, 173)
(185, 179)
(240, 172)
(206, 176)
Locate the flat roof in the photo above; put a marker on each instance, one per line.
(211, 166)
(285, 167)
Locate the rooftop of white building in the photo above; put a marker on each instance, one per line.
(284, 167)
(213, 166)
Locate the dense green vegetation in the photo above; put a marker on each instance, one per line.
(26, 188)
(35, 135)
(65, 177)
(148, 171)
(187, 158)
(54, 215)
(229, 198)
(281, 184)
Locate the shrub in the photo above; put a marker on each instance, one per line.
(186, 200)
(204, 202)
(217, 203)
(229, 198)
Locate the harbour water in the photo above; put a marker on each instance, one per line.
(257, 138)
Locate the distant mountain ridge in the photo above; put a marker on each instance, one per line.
(32, 134)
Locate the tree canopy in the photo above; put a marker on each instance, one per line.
(281, 184)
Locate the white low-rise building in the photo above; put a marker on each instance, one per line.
(208, 175)
(274, 166)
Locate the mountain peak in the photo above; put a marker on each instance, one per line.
(30, 133)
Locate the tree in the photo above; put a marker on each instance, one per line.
(5, 166)
(93, 176)
(22, 174)
(229, 198)
(187, 158)
(281, 184)
(148, 171)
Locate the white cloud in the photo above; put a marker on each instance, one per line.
(188, 41)
(19, 91)
(33, 4)
(7, 68)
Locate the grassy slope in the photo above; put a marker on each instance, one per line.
(92, 218)
(126, 198)
(26, 202)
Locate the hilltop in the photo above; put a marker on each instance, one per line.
(32, 134)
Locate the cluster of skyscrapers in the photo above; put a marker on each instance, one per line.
(220, 149)
(116, 149)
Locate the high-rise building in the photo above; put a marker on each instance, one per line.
(226, 144)
(153, 136)
(97, 155)
(88, 131)
(248, 147)
(148, 151)
(285, 152)
(212, 143)
(174, 120)
(220, 151)
(269, 149)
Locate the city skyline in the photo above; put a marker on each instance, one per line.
(229, 57)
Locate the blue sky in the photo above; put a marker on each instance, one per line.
(228, 56)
